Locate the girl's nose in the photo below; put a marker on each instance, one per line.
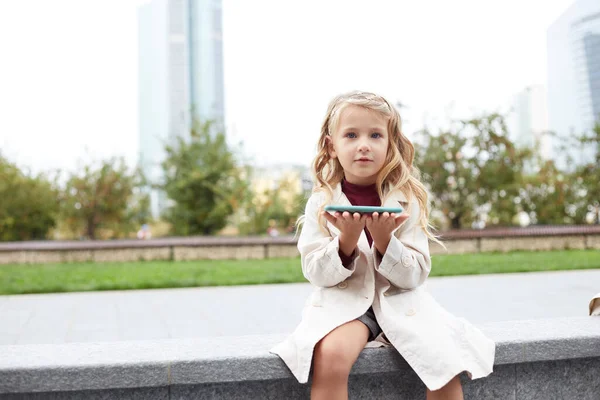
(364, 146)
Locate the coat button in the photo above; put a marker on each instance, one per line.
(407, 261)
(410, 312)
(343, 285)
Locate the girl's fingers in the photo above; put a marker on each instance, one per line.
(375, 216)
(400, 219)
(329, 217)
(338, 219)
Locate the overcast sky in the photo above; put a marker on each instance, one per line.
(68, 70)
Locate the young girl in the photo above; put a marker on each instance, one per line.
(368, 271)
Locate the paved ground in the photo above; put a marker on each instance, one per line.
(246, 310)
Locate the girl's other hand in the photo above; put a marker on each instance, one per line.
(350, 227)
(382, 226)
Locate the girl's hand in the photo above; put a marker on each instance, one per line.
(350, 227)
(382, 226)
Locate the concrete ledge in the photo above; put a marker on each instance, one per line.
(241, 367)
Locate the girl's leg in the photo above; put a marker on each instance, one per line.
(333, 359)
(452, 391)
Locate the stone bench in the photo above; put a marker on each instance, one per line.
(538, 359)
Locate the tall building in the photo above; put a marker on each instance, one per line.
(573, 42)
(180, 77)
(529, 127)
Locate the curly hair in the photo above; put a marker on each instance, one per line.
(398, 172)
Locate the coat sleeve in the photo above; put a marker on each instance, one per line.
(319, 252)
(406, 262)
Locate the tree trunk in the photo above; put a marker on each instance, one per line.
(455, 222)
(91, 229)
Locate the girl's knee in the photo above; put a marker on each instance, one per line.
(451, 390)
(333, 358)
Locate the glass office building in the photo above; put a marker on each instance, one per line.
(574, 74)
(180, 77)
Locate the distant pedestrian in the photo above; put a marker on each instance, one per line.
(272, 229)
(144, 232)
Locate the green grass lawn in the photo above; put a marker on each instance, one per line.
(74, 277)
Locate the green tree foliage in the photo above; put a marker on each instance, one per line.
(568, 195)
(204, 182)
(278, 207)
(548, 195)
(589, 176)
(473, 166)
(28, 206)
(499, 167)
(104, 197)
(138, 209)
(264, 210)
(446, 171)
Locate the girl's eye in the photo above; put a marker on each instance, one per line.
(351, 135)
(375, 135)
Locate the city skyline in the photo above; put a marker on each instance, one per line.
(279, 75)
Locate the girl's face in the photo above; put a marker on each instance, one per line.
(360, 143)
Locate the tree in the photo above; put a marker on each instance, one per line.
(281, 205)
(548, 195)
(472, 167)
(579, 200)
(589, 176)
(138, 209)
(204, 182)
(103, 197)
(446, 172)
(28, 206)
(499, 167)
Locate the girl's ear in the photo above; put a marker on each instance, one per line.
(330, 149)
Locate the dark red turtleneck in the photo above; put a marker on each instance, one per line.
(359, 196)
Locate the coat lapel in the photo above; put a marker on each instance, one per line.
(397, 199)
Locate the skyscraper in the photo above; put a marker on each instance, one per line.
(180, 77)
(530, 120)
(574, 73)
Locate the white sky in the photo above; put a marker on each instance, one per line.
(68, 69)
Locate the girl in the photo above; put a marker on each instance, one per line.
(368, 271)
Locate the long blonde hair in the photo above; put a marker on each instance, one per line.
(398, 172)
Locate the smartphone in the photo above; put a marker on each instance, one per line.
(364, 209)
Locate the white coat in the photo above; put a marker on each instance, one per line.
(436, 344)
